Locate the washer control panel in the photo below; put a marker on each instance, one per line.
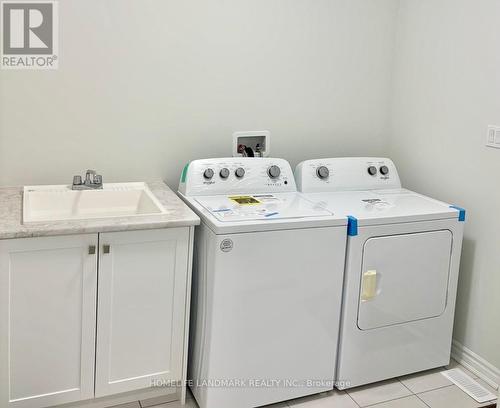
(346, 173)
(235, 175)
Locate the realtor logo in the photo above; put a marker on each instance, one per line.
(29, 35)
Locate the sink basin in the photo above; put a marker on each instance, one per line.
(58, 203)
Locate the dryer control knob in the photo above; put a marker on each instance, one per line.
(224, 173)
(274, 171)
(239, 172)
(208, 174)
(372, 170)
(322, 172)
(384, 170)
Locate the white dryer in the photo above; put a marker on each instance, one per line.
(267, 284)
(403, 254)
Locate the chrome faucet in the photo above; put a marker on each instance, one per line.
(93, 181)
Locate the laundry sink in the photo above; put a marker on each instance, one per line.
(60, 202)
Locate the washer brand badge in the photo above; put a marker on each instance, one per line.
(226, 245)
(29, 35)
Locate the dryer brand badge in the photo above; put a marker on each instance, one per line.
(226, 245)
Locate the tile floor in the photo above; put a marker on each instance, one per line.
(422, 390)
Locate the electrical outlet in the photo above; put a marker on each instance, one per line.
(493, 137)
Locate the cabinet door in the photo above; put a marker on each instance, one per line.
(47, 320)
(141, 308)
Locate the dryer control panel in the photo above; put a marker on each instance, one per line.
(235, 175)
(346, 173)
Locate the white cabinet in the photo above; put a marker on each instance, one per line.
(47, 320)
(56, 291)
(141, 309)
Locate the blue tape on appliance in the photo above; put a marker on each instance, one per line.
(352, 226)
(461, 212)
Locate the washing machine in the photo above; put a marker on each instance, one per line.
(402, 262)
(267, 284)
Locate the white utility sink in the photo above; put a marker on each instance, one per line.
(58, 203)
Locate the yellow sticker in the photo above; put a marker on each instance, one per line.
(244, 200)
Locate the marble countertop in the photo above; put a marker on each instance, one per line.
(11, 225)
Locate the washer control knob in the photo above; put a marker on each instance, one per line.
(322, 172)
(372, 170)
(384, 170)
(239, 172)
(208, 174)
(224, 173)
(274, 172)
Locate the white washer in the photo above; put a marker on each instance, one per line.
(267, 284)
(403, 255)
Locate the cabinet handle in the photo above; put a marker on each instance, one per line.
(91, 249)
(106, 249)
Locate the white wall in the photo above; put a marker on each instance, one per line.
(144, 86)
(446, 92)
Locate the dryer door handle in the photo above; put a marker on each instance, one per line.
(369, 285)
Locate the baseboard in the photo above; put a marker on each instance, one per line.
(476, 364)
(146, 396)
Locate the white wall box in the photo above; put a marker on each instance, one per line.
(257, 140)
(88, 316)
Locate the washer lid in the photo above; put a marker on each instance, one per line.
(263, 207)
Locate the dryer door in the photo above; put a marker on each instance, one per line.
(404, 278)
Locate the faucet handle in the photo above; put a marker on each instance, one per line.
(77, 180)
(97, 179)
